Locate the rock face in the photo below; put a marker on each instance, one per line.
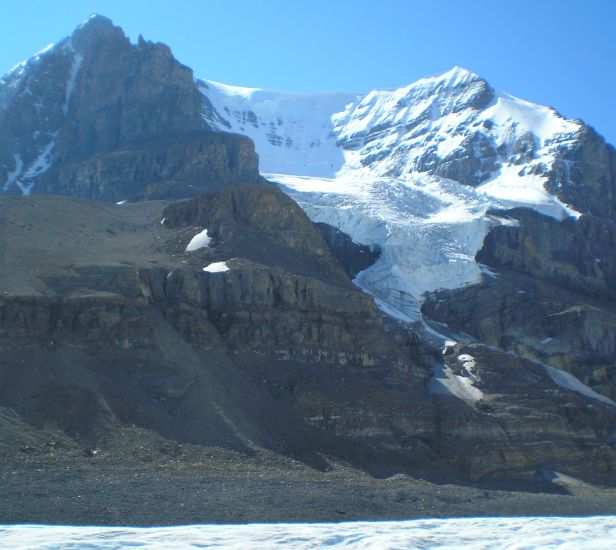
(575, 254)
(127, 332)
(353, 257)
(552, 299)
(584, 174)
(538, 321)
(518, 404)
(96, 116)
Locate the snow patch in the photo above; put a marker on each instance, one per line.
(19, 68)
(445, 382)
(216, 267)
(569, 382)
(72, 78)
(24, 179)
(516, 189)
(11, 176)
(468, 364)
(293, 132)
(41, 164)
(200, 240)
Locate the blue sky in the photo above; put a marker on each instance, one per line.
(560, 53)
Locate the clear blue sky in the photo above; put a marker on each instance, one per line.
(560, 53)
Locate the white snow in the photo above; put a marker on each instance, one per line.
(445, 382)
(19, 68)
(569, 382)
(87, 20)
(514, 189)
(200, 240)
(468, 364)
(72, 78)
(597, 532)
(23, 178)
(40, 164)
(353, 161)
(11, 176)
(293, 132)
(216, 267)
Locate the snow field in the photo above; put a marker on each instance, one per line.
(518, 533)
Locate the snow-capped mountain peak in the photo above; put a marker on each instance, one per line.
(413, 170)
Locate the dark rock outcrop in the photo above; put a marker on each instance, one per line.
(552, 299)
(536, 320)
(99, 117)
(577, 254)
(520, 412)
(353, 257)
(584, 174)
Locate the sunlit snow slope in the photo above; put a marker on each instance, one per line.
(413, 170)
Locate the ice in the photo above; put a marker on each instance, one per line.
(569, 382)
(429, 232)
(597, 532)
(216, 267)
(200, 240)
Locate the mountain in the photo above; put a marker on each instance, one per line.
(420, 283)
(96, 116)
(453, 181)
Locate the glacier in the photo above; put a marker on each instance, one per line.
(471, 533)
(417, 171)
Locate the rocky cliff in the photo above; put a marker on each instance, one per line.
(256, 339)
(96, 116)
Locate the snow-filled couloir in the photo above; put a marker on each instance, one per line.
(413, 171)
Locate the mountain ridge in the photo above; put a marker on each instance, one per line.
(97, 116)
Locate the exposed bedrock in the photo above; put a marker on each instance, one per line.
(584, 174)
(551, 298)
(279, 351)
(577, 254)
(353, 257)
(100, 117)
